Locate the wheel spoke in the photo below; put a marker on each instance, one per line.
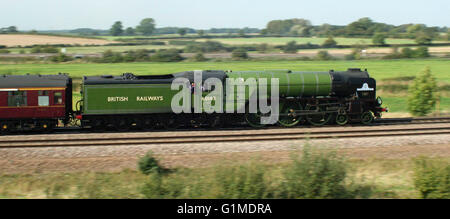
(318, 119)
(292, 118)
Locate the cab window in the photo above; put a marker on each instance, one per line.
(57, 98)
(17, 98)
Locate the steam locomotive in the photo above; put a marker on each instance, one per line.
(128, 101)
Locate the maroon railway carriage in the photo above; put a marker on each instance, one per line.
(34, 101)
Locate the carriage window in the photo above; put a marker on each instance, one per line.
(17, 98)
(43, 98)
(57, 98)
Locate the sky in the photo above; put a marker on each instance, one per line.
(205, 14)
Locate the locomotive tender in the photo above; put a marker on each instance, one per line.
(144, 102)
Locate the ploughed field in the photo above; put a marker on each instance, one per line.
(28, 40)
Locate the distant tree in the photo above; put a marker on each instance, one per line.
(201, 33)
(170, 55)
(61, 57)
(146, 27)
(407, 53)
(199, 57)
(263, 47)
(329, 43)
(12, 29)
(296, 27)
(421, 52)
(242, 32)
(324, 30)
(422, 93)
(263, 32)
(379, 39)
(111, 57)
(129, 31)
(116, 29)
(4, 51)
(323, 55)
(239, 54)
(412, 30)
(182, 31)
(299, 30)
(290, 47)
(423, 39)
(208, 46)
(361, 27)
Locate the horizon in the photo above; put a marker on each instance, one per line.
(203, 14)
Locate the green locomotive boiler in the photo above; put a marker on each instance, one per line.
(145, 102)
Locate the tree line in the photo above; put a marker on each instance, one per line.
(364, 27)
(147, 27)
(10, 29)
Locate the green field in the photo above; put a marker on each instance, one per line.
(379, 69)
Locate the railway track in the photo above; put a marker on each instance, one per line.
(183, 137)
(411, 120)
(377, 122)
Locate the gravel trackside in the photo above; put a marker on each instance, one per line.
(116, 158)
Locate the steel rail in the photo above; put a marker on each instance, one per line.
(271, 135)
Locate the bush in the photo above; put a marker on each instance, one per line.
(199, 57)
(140, 55)
(421, 52)
(149, 164)
(407, 53)
(61, 57)
(422, 93)
(171, 55)
(291, 47)
(181, 42)
(157, 43)
(111, 57)
(329, 43)
(316, 175)
(241, 182)
(432, 178)
(356, 54)
(44, 49)
(239, 54)
(208, 46)
(323, 55)
(379, 39)
(263, 48)
(423, 39)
